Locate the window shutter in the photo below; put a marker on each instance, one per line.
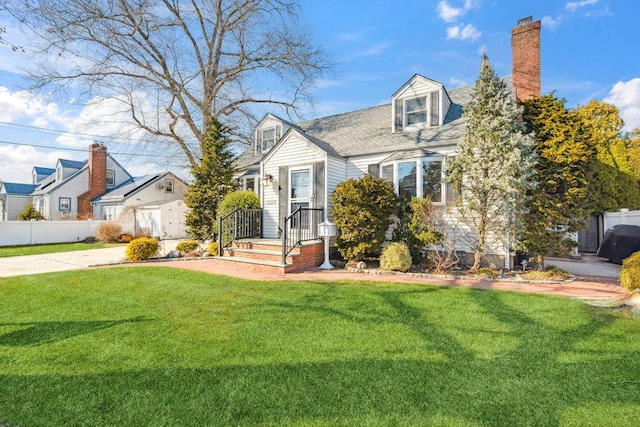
(283, 196)
(374, 170)
(435, 108)
(398, 116)
(451, 194)
(278, 133)
(319, 189)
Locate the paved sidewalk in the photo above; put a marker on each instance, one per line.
(584, 287)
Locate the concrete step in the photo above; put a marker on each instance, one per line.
(260, 254)
(264, 266)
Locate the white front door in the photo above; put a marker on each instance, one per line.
(300, 193)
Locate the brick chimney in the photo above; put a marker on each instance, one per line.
(97, 180)
(525, 44)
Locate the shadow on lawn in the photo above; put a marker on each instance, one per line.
(38, 333)
(533, 382)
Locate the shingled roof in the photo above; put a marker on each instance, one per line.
(18, 189)
(368, 131)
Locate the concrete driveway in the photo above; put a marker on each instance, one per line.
(63, 261)
(588, 265)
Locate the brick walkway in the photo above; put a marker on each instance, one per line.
(587, 287)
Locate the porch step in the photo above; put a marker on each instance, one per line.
(266, 254)
(259, 254)
(264, 266)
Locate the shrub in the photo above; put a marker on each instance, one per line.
(238, 200)
(212, 248)
(109, 232)
(630, 272)
(29, 212)
(362, 211)
(552, 272)
(486, 272)
(187, 246)
(126, 238)
(142, 248)
(396, 257)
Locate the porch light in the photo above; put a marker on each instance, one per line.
(268, 178)
(327, 230)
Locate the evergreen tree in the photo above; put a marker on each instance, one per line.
(29, 213)
(212, 180)
(492, 168)
(614, 186)
(559, 203)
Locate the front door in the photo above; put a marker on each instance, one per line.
(300, 192)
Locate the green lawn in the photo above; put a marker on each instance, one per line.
(48, 249)
(159, 346)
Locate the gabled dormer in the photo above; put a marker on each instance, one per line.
(269, 131)
(39, 173)
(420, 103)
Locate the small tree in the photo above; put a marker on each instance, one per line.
(29, 213)
(212, 180)
(238, 200)
(362, 211)
(492, 168)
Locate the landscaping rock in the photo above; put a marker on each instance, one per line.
(634, 299)
(173, 254)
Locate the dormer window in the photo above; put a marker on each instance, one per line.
(268, 138)
(415, 111)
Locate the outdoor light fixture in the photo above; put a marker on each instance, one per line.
(327, 230)
(268, 178)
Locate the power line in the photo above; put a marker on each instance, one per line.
(49, 147)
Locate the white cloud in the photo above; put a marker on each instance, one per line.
(374, 50)
(463, 32)
(626, 96)
(550, 22)
(574, 5)
(449, 13)
(16, 106)
(17, 162)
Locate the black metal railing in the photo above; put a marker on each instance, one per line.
(300, 226)
(239, 224)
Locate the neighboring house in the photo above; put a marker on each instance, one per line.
(67, 192)
(408, 141)
(13, 199)
(151, 203)
(100, 188)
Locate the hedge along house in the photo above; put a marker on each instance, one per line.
(408, 141)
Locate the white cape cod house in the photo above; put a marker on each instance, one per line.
(408, 141)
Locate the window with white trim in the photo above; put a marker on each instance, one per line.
(168, 186)
(268, 138)
(64, 204)
(111, 178)
(422, 177)
(417, 112)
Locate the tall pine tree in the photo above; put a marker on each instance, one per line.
(212, 180)
(559, 203)
(493, 165)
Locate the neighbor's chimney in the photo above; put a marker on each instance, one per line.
(525, 43)
(97, 180)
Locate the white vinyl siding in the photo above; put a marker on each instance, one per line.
(294, 152)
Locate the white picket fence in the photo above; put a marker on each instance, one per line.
(14, 233)
(623, 216)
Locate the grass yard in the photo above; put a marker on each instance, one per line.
(48, 249)
(160, 346)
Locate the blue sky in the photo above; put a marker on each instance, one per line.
(590, 50)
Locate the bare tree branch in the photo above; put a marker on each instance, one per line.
(199, 58)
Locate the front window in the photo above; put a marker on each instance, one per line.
(416, 178)
(407, 179)
(416, 111)
(387, 173)
(111, 178)
(250, 184)
(64, 204)
(432, 180)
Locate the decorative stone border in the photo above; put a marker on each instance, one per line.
(516, 279)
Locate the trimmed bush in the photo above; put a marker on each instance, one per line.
(362, 211)
(187, 246)
(238, 199)
(396, 257)
(109, 232)
(630, 272)
(29, 213)
(142, 248)
(486, 273)
(212, 248)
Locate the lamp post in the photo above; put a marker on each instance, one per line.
(327, 230)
